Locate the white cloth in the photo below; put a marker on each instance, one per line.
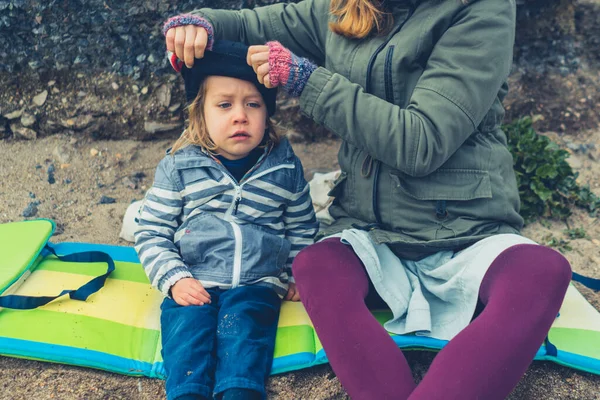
(435, 296)
(320, 185)
(129, 221)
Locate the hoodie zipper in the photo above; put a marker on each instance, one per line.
(237, 232)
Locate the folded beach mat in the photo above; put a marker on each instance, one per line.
(109, 319)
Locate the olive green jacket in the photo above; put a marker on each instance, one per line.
(425, 163)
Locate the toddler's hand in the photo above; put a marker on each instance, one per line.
(188, 291)
(292, 294)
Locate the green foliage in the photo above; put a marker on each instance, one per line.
(576, 233)
(561, 245)
(547, 184)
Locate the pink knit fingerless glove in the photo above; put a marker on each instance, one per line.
(188, 19)
(288, 70)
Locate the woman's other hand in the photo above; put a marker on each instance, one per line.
(258, 58)
(276, 65)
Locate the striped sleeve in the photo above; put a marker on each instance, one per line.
(158, 220)
(301, 225)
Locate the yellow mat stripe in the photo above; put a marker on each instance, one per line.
(577, 313)
(292, 314)
(125, 302)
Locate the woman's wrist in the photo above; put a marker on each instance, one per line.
(191, 19)
(288, 70)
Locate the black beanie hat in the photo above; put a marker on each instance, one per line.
(225, 59)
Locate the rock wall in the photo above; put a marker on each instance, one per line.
(556, 69)
(97, 67)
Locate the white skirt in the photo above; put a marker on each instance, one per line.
(435, 296)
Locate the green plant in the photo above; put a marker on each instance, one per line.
(547, 184)
(561, 245)
(576, 233)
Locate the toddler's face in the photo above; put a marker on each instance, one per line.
(235, 116)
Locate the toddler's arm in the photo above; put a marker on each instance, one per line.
(158, 221)
(301, 225)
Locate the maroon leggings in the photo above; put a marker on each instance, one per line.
(522, 292)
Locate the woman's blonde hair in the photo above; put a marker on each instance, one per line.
(197, 134)
(356, 19)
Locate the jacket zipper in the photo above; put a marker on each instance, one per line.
(389, 96)
(237, 255)
(411, 10)
(237, 232)
(389, 88)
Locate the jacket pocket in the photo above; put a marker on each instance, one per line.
(446, 184)
(445, 204)
(208, 243)
(263, 253)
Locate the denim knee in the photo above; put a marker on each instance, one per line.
(247, 327)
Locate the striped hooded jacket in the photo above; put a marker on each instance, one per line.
(198, 221)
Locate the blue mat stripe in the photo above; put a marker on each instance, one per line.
(76, 356)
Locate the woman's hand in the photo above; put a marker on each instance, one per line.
(258, 58)
(187, 42)
(292, 294)
(188, 36)
(277, 66)
(189, 292)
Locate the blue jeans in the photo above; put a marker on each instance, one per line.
(226, 344)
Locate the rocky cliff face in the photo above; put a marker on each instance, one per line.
(97, 68)
(556, 69)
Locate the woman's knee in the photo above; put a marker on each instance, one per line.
(549, 263)
(559, 268)
(521, 268)
(317, 260)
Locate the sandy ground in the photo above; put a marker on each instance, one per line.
(86, 170)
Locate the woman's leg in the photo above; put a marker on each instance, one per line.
(333, 284)
(522, 292)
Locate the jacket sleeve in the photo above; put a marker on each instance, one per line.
(461, 81)
(158, 221)
(301, 225)
(301, 27)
